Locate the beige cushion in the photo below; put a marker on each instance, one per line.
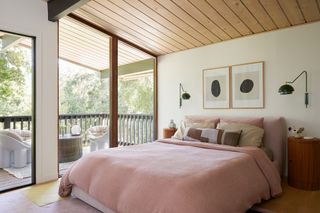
(250, 135)
(11, 134)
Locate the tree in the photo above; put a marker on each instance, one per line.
(14, 69)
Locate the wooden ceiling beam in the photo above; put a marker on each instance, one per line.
(60, 8)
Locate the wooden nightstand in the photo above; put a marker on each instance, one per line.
(304, 163)
(168, 132)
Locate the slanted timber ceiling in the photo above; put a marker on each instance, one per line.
(166, 26)
(85, 46)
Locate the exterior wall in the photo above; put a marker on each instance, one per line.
(30, 18)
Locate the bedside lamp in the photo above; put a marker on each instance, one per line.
(183, 95)
(287, 89)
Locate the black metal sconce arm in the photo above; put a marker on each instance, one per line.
(306, 99)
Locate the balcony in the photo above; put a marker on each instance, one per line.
(132, 128)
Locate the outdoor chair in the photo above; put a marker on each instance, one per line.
(98, 137)
(15, 148)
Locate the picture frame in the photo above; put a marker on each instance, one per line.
(216, 88)
(248, 85)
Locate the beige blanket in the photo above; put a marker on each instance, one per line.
(172, 176)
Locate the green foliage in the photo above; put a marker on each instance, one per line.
(14, 69)
(83, 91)
(136, 96)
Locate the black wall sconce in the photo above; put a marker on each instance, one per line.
(183, 95)
(287, 89)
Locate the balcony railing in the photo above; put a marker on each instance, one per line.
(132, 128)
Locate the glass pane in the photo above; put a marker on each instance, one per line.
(16, 86)
(83, 91)
(135, 96)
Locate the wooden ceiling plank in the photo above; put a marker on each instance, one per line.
(276, 13)
(120, 26)
(292, 10)
(202, 19)
(82, 40)
(92, 33)
(142, 12)
(64, 50)
(133, 51)
(258, 11)
(211, 13)
(164, 12)
(112, 29)
(138, 25)
(221, 7)
(172, 7)
(165, 34)
(310, 10)
(244, 14)
(63, 27)
(69, 42)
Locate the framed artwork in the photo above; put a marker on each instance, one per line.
(248, 85)
(216, 88)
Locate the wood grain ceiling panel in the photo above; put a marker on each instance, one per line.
(292, 10)
(276, 13)
(257, 10)
(151, 17)
(244, 14)
(202, 19)
(188, 19)
(116, 23)
(309, 9)
(113, 29)
(88, 47)
(214, 16)
(166, 26)
(138, 28)
(140, 25)
(164, 12)
(230, 16)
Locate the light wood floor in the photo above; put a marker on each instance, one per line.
(291, 201)
(294, 201)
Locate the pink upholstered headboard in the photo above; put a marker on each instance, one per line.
(274, 136)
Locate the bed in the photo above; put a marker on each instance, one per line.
(179, 176)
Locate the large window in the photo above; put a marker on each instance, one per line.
(85, 93)
(16, 110)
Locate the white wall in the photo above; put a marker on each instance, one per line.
(30, 17)
(286, 53)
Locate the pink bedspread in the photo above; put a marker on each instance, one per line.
(172, 176)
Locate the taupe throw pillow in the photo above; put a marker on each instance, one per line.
(250, 135)
(231, 138)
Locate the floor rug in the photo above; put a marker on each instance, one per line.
(43, 194)
(25, 172)
(20, 173)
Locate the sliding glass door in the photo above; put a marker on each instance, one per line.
(16, 110)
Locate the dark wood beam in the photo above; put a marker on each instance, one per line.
(101, 29)
(113, 137)
(60, 8)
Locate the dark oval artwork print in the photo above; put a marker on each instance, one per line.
(215, 88)
(246, 86)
